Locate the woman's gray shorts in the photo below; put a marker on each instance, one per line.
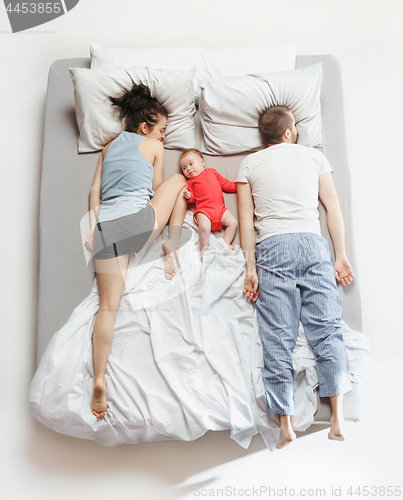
(129, 233)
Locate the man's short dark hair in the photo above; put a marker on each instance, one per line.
(273, 122)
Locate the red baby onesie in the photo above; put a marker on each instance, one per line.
(206, 191)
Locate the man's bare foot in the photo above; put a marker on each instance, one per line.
(336, 432)
(337, 419)
(229, 246)
(202, 252)
(171, 267)
(332, 437)
(287, 436)
(99, 406)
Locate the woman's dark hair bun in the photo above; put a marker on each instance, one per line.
(138, 106)
(140, 97)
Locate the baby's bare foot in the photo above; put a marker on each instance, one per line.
(229, 245)
(99, 405)
(171, 267)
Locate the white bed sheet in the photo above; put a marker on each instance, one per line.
(186, 357)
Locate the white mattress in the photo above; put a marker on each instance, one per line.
(67, 294)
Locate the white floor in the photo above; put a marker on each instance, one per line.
(368, 457)
(56, 466)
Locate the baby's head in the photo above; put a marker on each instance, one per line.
(191, 162)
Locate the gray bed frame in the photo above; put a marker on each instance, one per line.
(65, 280)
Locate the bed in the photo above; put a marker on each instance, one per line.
(68, 296)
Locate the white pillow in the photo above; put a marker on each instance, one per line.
(230, 108)
(98, 121)
(209, 63)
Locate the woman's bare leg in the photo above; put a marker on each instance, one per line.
(111, 279)
(204, 232)
(169, 204)
(231, 224)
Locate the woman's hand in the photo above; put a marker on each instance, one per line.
(187, 194)
(89, 242)
(250, 287)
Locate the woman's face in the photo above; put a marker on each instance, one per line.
(156, 132)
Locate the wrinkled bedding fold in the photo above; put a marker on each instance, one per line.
(186, 357)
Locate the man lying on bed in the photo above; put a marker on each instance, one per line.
(280, 186)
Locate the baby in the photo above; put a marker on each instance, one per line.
(205, 187)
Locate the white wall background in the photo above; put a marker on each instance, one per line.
(366, 37)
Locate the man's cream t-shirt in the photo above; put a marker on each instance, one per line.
(285, 183)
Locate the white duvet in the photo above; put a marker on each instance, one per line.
(186, 357)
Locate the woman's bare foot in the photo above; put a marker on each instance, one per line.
(202, 252)
(171, 266)
(99, 406)
(286, 437)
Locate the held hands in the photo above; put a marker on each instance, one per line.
(187, 194)
(250, 287)
(89, 242)
(343, 271)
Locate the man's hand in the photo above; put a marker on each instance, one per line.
(343, 271)
(250, 287)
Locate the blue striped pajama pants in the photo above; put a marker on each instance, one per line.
(296, 282)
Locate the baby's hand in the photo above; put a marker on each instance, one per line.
(187, 194)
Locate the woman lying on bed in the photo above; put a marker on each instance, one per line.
(129, 207)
